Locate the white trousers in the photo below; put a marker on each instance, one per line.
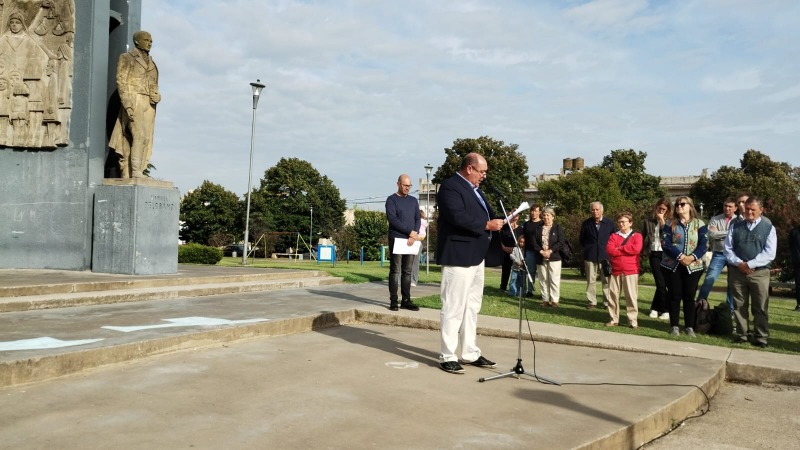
(549, 274)
(462, 295)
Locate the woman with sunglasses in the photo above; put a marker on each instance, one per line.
(683, 244)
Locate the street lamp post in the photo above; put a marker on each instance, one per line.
(257, 87)
(428, 169)
(311, 236)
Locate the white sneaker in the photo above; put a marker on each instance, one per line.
(653, 313)
(664, 316)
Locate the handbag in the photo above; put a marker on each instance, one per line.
(566, 252)
(605, 265)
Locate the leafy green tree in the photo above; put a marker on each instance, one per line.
(209, 212)
(284, 199)
(508, 169)
(711, 191)
(372, 231)
(345, 239)
(776, 183)
(573, 193)
(638, 187)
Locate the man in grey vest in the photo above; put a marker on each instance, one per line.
(749, 249)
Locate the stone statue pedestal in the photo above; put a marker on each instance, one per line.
(135, 227)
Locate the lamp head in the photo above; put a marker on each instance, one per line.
(257, 87)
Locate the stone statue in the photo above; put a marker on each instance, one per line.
(137, 83)
(36, 72)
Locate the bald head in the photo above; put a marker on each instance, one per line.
(142, 40)
(403, 185)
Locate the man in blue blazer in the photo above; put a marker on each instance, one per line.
(464, 233)
(595, 232)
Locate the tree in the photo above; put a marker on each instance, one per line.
(508, 169)
(209, 212)
(573, 193)
(776, 183)
(372, 231)
(284, 199)
(346, 240)
(638, 187)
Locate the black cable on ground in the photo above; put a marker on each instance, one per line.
(701, 414)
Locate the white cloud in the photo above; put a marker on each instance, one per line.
(738, 81)
(366, 90)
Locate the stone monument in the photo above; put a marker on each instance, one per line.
(55, 121)
(137, 84)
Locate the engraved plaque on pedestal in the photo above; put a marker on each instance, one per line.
(135, 227)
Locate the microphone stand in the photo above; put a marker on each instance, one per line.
(518, 370)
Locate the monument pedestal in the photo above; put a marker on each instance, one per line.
(135, 227)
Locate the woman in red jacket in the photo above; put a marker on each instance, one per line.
(623, 251)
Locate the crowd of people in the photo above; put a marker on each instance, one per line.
(673, 239)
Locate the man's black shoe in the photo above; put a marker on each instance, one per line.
(409, 306)
(393, 306)
(451, 367)
(481, 362)
(739, 340)
(797, 308)
(760, 344)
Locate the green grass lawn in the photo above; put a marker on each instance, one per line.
(784, 322)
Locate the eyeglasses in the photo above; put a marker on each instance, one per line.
(681, 204)
(406, 185)
(482, 172)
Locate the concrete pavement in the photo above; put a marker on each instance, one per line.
(331, 367)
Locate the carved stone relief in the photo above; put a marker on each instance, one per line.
(36, 62)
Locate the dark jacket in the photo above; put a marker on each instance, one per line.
(530, 229)
(462, 237)
(594, 239)
(794, 246)
(555, 241)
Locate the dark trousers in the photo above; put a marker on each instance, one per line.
(506, 271)
(660, 298)
(399, 275)
(682, 286)
(797, 284)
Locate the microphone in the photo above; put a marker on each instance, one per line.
(497, 191)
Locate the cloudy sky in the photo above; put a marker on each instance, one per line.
(368, 89)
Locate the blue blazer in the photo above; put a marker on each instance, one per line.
(594, 241)
(462, 239)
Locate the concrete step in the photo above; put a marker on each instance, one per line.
(100, 293)
(131, 282)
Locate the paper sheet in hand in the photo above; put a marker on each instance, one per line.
(401, 247)
(522, 207)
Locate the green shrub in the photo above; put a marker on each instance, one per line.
(198, 254)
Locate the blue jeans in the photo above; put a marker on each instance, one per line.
(516, 282)
(715, 267)
(530, 261)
